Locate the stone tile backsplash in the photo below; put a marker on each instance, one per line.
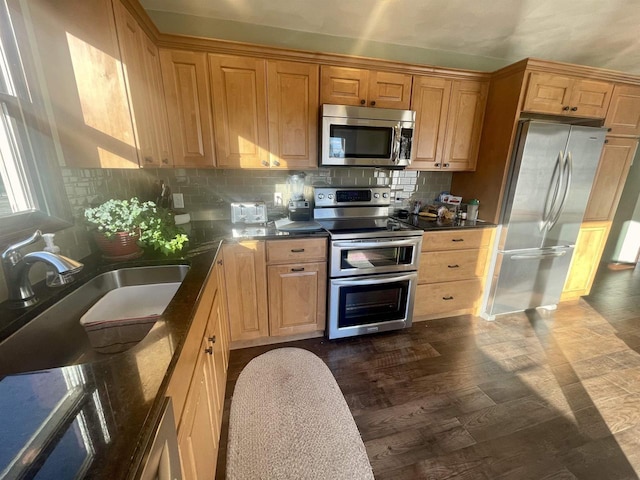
(209, 191)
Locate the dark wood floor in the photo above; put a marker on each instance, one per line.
(543, 395)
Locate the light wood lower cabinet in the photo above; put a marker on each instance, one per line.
(297, 298)
(198, 382)
(276, 288)
(246, 282)
(452, 272)
(586, 258)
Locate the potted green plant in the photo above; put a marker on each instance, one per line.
(122, 227)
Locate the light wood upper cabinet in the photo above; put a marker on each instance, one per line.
(360, 87)
(143, 79)
(623, 117)
(292, 90)
(610, 178)
(240, 110)
(464, 124)
(565, 95)
(76, 46)
(449, 116)
(266, 112)
(186, 89)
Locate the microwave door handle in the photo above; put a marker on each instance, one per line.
(397, 137)
(373, 281)
(387, 243)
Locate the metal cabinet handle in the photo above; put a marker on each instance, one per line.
(450, 297)
(297, 269)
(276, 163)
(373, 103)
(264, 163)
(297, 250)
(566, 108)
(574, 109)
(165, 161)
(437, 165)
(457, 239)
(363, 101)
(209, 350)
(212, 339)
(219, 262)
(446, 165)
(453, 266)
(148, 159)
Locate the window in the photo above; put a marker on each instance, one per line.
(27, 156)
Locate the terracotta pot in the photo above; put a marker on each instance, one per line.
(122, 246)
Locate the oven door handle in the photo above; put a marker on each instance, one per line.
(386, 243)
(373, 281)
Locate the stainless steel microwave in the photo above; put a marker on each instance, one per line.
(367, 137)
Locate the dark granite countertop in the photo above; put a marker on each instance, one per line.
(94, 420)
(428, 224)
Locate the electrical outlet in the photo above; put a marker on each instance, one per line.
(178, 200)
(277, 198)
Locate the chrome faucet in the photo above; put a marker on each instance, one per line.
(16, 268)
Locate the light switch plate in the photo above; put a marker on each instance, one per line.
(178, 200)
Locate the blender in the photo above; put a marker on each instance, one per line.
(298, 207)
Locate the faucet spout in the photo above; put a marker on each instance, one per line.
(16, 270)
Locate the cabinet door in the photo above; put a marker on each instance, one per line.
(389, 90)
(430, 100)
(293, 114)
(344, 86)
(129, 40)
(611, 175)
(590, 98)
(196, 439)
(76, 45)
(245, 279)
(184, 77)
(157, 121)
(297, 295)
(586, 258)
(142, 75)
(464, 124)
(623, 117)
(240, 111)
(548, 93)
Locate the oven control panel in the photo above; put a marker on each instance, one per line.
(351, 196)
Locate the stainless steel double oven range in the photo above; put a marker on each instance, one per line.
(373, 261)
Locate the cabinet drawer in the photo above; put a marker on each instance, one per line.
(452, 265)
(456, 239)
(446, 297)
(293, 251)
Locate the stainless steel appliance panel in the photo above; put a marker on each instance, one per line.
(372, 256)
(528, 279)
(367, 137)
(583, 151)
(532, 183)
(370, 304)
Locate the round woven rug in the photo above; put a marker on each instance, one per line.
(289, 420)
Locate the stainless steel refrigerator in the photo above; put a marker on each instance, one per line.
(549, 182)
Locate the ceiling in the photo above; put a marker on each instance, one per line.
(601, 33)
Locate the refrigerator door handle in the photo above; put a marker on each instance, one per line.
(552, 198)
(538, 256)
(568, 166)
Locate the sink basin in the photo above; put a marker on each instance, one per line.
(57, 338)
